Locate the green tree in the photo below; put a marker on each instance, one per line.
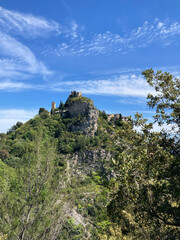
(103, 114)
(61, 105)
(28, 210)
(14, 127)
(145, 197)
(43, 113)
(166, 101)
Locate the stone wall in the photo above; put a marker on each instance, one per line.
(75, 94)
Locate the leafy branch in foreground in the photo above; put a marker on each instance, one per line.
(167, 97)
(145, 197)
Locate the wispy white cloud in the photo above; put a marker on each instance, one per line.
(108, 42)
(27, 24)
(145, 111)
(18, 113)
(9, 117)
(18, 61)
(10, 86)
(116, 71)
(73, 29)
(124, 85)
(133, 101)
(129, 85)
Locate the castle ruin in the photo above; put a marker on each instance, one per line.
(75, 94)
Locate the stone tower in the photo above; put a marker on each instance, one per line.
(53, 106)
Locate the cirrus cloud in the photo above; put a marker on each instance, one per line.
(27, 24)
(123, 85)
(159, 32)
(17, 60)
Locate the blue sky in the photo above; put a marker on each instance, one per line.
(49, 48)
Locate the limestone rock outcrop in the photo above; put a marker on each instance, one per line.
(83, 162)
(82, 112)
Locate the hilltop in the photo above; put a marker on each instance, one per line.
(78, 142)
(78, 173)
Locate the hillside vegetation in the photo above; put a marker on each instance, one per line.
(74, 174)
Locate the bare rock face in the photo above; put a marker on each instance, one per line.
(82, 163)
(82, 112)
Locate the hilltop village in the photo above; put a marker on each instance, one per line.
(77, 96)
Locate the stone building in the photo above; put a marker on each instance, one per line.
(75, 94)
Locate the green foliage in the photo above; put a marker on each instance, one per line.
(166, 100)
(146, 190)
(78, 99)
(68, 143)
(28, 205)
(4, 154)
(135, 195)
(72, 231)
(119, 122)
(43, 113)
(61, 105)
(145, 195)
(2, 136)
(14, 127)
(7, 178)
(103, 114)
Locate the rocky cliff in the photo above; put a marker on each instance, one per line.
(82, 163)
(82, 112)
